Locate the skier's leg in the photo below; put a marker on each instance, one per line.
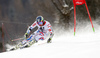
(26, 42)
(39, 37)
(19, 45)
(30, 41)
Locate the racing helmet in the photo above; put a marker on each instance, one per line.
(40, 20)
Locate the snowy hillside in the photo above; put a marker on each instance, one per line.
(83, 45)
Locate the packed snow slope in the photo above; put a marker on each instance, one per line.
(85, 44)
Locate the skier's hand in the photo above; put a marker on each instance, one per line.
(26, 35)
(49, 40)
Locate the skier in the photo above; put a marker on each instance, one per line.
(44, 29)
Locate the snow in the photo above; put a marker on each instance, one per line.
(82, 45)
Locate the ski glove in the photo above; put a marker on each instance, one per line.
(26, 35)
(49, 40)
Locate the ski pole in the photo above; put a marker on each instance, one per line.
(18, 39)
(89, 17)
(74, 19)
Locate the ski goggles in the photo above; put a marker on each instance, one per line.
(40, 23)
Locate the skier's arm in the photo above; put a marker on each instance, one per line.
(50, 30)
(30, 29)
(51, 33)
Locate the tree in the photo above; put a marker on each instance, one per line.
(0, 29)
(1, 46)
(64, 11)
